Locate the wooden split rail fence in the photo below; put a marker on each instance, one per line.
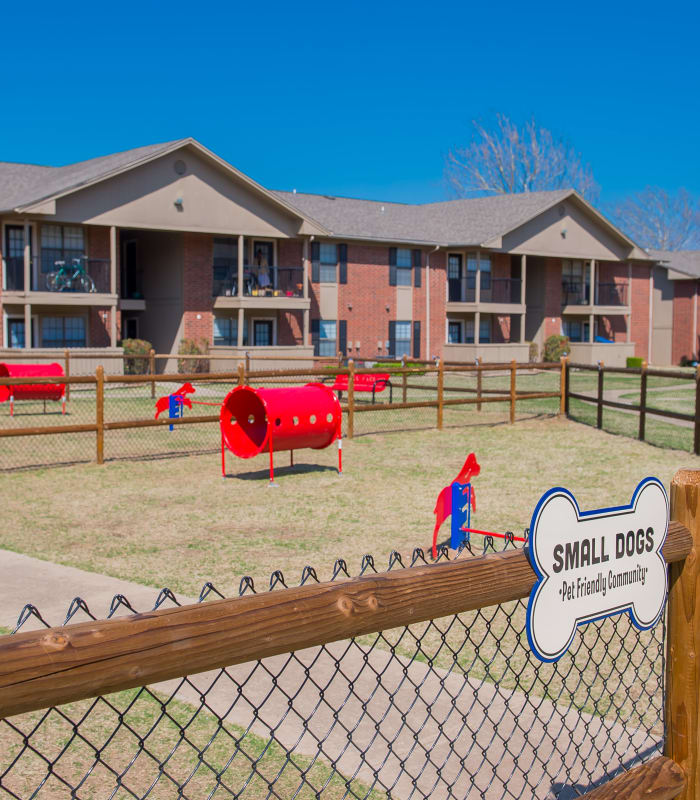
(643, 409)
(445, 396)
(51, 667)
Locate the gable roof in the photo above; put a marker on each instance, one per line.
(474, 222)
(23, 186)
(686, 262)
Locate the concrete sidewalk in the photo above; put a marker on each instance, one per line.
(420, 730)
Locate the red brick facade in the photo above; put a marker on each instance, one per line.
(552, 297)
(684, 307)
(198, 250)
(639, 306)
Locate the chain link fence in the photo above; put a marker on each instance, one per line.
(454, 707)
(409, 402)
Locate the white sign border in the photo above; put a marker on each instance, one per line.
(543, 575)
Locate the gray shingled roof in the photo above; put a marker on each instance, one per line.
(23, 184)
(471, 221)
(685, 261)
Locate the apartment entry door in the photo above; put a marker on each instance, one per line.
(262, 332)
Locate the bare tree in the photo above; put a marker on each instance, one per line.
(659, 220)
(504, 157)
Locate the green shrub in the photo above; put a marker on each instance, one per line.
(136, 347)
(555, 347)
(533, 352)
(634, 363)
(193, 347)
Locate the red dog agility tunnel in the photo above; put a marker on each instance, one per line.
(32, 391)
(255, 420)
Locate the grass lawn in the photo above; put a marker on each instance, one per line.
(680, 399)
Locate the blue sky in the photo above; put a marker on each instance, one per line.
(355, 98)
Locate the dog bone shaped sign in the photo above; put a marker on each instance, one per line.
(594, 564)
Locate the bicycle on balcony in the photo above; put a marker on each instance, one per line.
(70, 278)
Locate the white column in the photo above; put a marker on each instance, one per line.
(28, 325)
(307, 314)
(477, 321)
(112, 260)
(477, 297)
(240, 281)
(305, 265)
(591, 325)
(522, 328)
(27, 259)
(592, 292)
(523, 278)
(241, 323)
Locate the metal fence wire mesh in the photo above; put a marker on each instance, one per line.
(456, 707)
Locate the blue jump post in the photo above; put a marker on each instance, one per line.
(174, 408)
(461, 514)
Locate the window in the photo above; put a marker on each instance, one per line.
(575, 329)
(15, 332)
(329, 262)
(485, 267)
(60, 243)
(63, 332)
(327, 337)
(575, 277)
(404, 265)
(454, 332)
(225, 266)
(226, 332)
(403, 338)
(485, 330)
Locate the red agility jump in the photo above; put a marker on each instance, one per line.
(255, 420)
(32, 391)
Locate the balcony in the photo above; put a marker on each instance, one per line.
(79, 281)
(500, 290)
(496, 296)
(607, 295)
(263, 287)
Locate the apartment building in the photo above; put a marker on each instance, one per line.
(170, 241)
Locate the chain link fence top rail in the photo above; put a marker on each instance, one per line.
(456, 707)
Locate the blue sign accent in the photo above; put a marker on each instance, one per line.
(461, 514)
(174, 408)
(543, 576)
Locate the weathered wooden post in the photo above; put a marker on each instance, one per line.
(601, 374)
(351, 398)
(683, 660)
(66, 369)
(440, 392)
(696, 435)
(241, 373)
(562, 385)
(478, 384)
(100, 413)
(152, 370)
(643, 401)
(567, 390)
(513, 368)
(405, 379)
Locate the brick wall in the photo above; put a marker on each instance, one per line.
(552, 297)
(438, 299)
(197, 286)
(98, 327)
(290, 328)
(639, 302)
(683, 307)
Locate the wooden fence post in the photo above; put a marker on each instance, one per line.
(696, 436)
(601, 375)
(562, 386)
(241, 373)
(100, 414)
(643, 401)
(405, 379)
(513, 365)
(351, 398)
(152, 370)
(66, 369)
(440, 392)
(567, 389)
(478, 384)
(683, 661)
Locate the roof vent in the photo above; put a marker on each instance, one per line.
(180, 167)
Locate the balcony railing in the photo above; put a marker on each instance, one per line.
(606, 294)
(611, 294)
(260, 282)
(79, 275)
(493, 290)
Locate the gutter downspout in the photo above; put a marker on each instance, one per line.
(427, 301)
